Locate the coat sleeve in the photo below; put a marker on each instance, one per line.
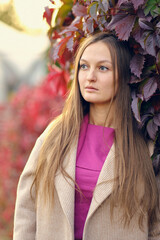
(25, 214)
(154, 230)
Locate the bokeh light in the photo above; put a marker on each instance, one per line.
(30, 12)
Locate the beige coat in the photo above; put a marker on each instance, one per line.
(31, 224)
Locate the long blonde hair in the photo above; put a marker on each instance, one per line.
(132, 164)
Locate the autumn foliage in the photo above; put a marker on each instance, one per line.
(137, 22)
(31, 109)
(23, 119)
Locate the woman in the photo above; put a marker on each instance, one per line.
(89, 175)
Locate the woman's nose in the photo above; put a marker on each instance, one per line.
(91, 76)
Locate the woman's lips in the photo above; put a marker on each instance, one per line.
(90, 88)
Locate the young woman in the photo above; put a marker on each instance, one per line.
(90, 175)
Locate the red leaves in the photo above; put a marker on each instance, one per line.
(143, 23)
(24, 119)
(137, 4)
(150, 45)
(123, 25)
(136, 105)
(57, 81)
(48, 15)
(152, 129)
(146, 35)
(149, 88)
(79, 10)
(136, 64)
(123, 21)
(62, 46)
(130, 20)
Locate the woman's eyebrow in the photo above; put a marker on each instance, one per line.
(101, 61)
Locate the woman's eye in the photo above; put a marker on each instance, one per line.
(103, 68)
(83, 66)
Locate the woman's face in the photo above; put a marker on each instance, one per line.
(96, 74)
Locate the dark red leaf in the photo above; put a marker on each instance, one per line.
(62, 44)
(79, 10)
(157, 40)
(136, 64)
(55, 35)
(134, 79)
(124, 27)
(145, 24)
(66, 56)
(60, 47)
(120, 2)
(115, 19)
(68, 30)
(156, 119)
(150, 45)
(137, 3)
(152, 129)
(138, 35)
(149, 88)
(136, 105)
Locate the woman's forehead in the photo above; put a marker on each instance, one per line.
(98, 51)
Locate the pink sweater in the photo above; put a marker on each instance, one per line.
(93, 147)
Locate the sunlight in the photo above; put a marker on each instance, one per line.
(31, 12)
(4, 1)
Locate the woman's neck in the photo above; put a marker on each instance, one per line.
(98, 115)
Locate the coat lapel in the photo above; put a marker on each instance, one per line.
(105, 182)
(65, 187)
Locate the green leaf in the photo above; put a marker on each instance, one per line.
(92, 9)
(157, 10)
(152, 6)
(67, 1)
(63, 12)
(147, 10)
(152, 10)
(151, 2)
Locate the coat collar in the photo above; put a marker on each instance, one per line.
(66, 190)
(65, 187)
(105, 182)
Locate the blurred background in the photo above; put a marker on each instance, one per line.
(23, 44)
(28, 102)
